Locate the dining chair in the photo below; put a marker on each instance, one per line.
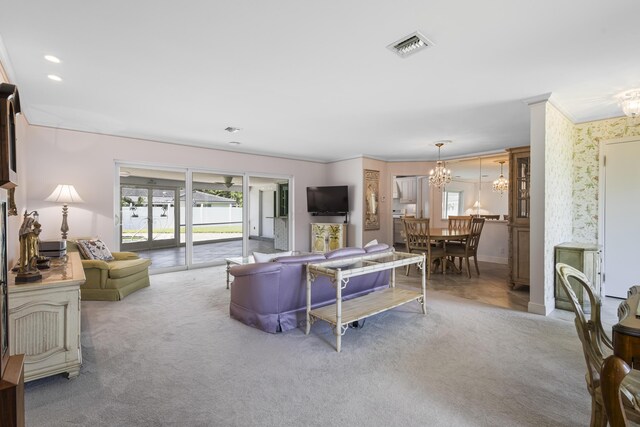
(468, 248)
(417, 239)
(461, 222)
(596, 346)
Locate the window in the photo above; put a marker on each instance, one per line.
(451, 203)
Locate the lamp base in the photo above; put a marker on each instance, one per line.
(65, 227)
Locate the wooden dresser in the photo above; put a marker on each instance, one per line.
(519, 211)
(44, 320)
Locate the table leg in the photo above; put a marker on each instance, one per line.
(424, 285)
(338, 330)
(393, 277)
(228, 268)
(308, 327)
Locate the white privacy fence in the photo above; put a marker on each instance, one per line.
(209, 222)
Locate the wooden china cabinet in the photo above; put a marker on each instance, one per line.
(519, 211)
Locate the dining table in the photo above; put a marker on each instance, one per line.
(626, 356)
(446, 234)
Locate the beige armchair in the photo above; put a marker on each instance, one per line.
(113, 280)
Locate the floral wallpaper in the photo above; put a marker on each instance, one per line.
(558, 158)
(586, 168)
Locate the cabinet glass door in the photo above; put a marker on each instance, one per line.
(522, 187)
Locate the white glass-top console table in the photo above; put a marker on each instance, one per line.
(342, 313)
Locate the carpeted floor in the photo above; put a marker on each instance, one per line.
(170, 355)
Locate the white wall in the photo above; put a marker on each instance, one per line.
(469, 195)
(268, 206)
(559, 136)
(254, 212)
(86, 160)
(494, 203)
(537, 298)
(348, 172)
(494, 242)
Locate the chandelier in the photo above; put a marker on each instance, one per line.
(440, 175)
(501, 184)
(630, 103)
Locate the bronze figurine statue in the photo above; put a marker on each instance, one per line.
(29, 248)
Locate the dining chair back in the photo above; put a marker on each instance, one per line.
(468, 248)
(474, 236)
(462, 222)
(418, 239)
(597, 347)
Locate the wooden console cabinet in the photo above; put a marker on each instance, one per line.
(326, 237)
(519, 211)
(44, 320)
(585, 258)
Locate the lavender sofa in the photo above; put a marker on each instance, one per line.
(272, 295)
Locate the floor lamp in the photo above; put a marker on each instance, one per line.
(64, 193)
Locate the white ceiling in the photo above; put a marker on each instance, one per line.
(313, 79)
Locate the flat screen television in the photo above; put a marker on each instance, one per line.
(328, 200)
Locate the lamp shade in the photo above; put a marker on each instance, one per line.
(64, 193)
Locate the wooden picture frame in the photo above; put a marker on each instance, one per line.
(9, 107)
(371, 199)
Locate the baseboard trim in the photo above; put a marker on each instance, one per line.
(541, 309)
(494, 259)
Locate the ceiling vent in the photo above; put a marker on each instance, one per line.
(410, 44)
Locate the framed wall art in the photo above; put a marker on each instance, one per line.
(371, 198)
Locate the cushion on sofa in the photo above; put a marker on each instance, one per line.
(124, 268)
(94, 249)
(263, 257)
(342, 252)
(255, 269)
(300, 258)
(377, 248)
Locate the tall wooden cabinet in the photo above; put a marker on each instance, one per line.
(519, 212)
(326, 237)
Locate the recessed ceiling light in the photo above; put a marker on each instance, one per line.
(55, 78)
(231, 129)
(52, 58)
(234, 142)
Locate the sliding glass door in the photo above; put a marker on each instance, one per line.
(184, 218)
(150, 204)
(216, 217)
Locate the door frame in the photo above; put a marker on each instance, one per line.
(602, 199)
(150, 243)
